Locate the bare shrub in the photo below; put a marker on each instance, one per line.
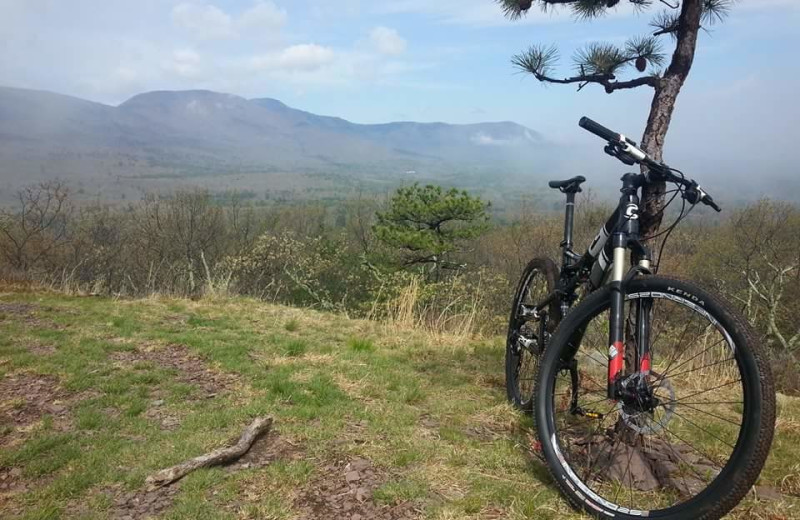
(33, 231)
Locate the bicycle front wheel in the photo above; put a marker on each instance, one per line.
(693, 445)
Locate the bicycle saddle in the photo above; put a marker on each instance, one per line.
(572, 185)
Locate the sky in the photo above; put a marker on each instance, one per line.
(424, 60)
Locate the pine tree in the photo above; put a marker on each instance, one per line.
(607, 64)
(426, 225)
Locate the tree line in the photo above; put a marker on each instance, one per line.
(425, 256)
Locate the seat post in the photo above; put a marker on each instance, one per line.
(569, 222)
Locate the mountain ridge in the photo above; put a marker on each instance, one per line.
(200, 133)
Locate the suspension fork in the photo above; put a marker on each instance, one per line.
(643, 361)
(616, 326)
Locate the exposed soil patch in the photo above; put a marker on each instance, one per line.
(26, 313)
(190, 367)
(344, 490)
(429, 422)
(40, 349)
(134, 504)
(161, 415)
(24, 399)
(483, 433)
(11, 481)
(11, 310)
(265, 450)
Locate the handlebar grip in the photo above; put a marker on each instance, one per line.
(710, 202)
(598, 129)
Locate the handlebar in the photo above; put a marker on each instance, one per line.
(598, 129)
(628, 152)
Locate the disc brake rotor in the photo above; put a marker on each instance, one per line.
(647, 423)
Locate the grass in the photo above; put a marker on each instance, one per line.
(339, 390)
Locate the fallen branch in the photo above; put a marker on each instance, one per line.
(167, 476)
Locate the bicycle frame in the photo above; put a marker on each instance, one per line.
(605, 259)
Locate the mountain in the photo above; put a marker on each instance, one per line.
(200, 135)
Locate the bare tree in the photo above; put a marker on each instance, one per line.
(770, 292)
(32, 230)
(603, 63)
(754, 259)
(180, 231)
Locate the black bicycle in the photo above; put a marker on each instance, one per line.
(651, 396)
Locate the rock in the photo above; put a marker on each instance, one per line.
(352, 476)
(15, 472)
(767, 493)
(158, 402)
(55, 409)
(628, 465)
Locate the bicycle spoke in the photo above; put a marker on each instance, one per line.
(666, 372)
(705, 391)
(675, 376)
(711, 414)
(702, 429)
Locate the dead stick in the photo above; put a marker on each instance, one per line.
(221, 456)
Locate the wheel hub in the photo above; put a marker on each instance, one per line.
(638, 403)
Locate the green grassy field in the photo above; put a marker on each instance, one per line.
(370, 422)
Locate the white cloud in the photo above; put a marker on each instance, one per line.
(203, 20)
(387, 41)
(484, 139)
(303, 57)
(263, 16)
(208, 22)
(185, 63)
(307, 56)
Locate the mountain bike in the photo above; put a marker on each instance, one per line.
(651, 396)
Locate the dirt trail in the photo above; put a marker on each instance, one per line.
(344, 491)
(189, 366)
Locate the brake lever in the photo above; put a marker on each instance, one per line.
(694, 194)
(613, 149)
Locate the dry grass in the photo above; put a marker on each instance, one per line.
(428, 411)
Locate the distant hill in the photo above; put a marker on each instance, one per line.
(167, 137)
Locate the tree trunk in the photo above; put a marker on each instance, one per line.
(661, 109)
(663, 106)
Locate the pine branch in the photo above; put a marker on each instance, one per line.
(582, 9)
(593, 66)
(538, 60)
(645, 47)
(665, 22)
(716, 10)
(590, 9)
(601, 59)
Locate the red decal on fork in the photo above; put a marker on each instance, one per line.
(616, 359)
(645, 365)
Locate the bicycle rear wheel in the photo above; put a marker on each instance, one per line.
(528, 334)
(691, 452)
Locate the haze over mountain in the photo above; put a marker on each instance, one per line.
(199, 134)
(158, 141)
